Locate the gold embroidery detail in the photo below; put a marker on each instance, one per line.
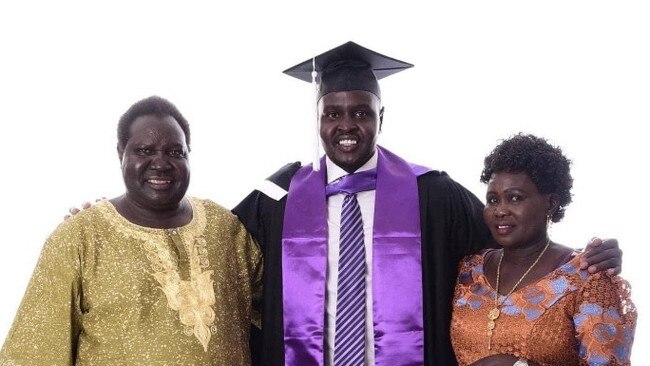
(8, 363)
(193, 298)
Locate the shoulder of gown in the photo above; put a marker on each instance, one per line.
(451, 211)
(262, 209)
(283, 176)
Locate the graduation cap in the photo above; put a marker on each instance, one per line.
(348, 67)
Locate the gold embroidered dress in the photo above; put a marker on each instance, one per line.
(108, 292)
(567, 317)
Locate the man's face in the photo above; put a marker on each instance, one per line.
(155, 168)
(349, 124)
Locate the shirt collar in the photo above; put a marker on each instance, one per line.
(335, 172)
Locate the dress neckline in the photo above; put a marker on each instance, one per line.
(574, 261)
(197, 217)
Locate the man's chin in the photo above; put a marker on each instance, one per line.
(349, 162)
(165, 202)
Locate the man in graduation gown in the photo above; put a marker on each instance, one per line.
(417, 224)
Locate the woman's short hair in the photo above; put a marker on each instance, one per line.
(153, 105)
(545, 165)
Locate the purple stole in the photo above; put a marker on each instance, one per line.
(397, 265)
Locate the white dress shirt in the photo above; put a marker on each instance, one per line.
(366, 201)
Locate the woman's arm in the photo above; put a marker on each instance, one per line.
(46, 327)
(604, 320)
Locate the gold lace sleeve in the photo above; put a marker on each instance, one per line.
(45, 328)
(605, 320)
(256, 282)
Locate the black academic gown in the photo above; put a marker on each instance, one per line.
(452, 227)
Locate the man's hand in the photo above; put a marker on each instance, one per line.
(601, 255)
(74, 210)
(499, 360)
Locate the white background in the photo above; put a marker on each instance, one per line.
(575, 72)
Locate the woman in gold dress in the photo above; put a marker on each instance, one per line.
(152, 277)
(529, 303)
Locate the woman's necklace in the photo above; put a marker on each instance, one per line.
(495, 312)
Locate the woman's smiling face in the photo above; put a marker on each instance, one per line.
(515, 212)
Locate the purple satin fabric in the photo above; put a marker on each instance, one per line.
(304, 267)
(397, 267)
(353, 183)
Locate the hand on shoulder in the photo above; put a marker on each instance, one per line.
(602, 255)
(75, 210)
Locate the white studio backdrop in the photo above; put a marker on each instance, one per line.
(575, 72)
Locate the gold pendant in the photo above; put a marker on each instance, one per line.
(491, 324)
(489, 334)
(494, 314)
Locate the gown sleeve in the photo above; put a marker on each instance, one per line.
(248, 214)
(46, 327)
(262, 213)
(452, 227)
(454, 215)
(604, 319)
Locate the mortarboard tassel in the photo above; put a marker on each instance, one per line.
(314, 81)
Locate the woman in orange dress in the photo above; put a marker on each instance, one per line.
(548, 311)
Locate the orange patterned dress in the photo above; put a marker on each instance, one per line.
(567, 317)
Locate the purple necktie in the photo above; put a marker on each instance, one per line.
(353, 183)
(349, 341)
